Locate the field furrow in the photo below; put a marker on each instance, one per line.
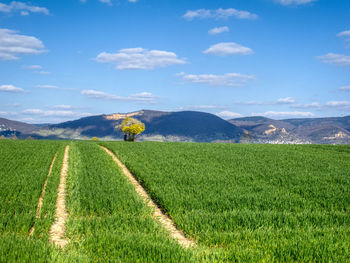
(57, 230)
(162, 218)
(250, 202)
(24, 169)
(239, 203)
(108, 221)
(41, 197)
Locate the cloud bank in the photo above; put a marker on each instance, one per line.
(335, 59)
(227, 49)
(140, 58)
(218, 14)
(227, 80)
(12, 45)
(218, 30)
(10, 88)
(294, 2)
(139, 97)
(23, 8)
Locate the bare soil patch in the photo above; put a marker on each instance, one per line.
(57, 230)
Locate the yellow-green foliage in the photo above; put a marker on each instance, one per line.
(132, 127)
(135, 129)
(95, 139)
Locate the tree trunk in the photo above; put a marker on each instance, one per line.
(131, 137)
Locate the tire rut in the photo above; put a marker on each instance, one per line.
(163, 219)
(57, 230)
(41, 197)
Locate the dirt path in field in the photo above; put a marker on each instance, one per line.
(165, 221)
(41, 197)
(57, 230)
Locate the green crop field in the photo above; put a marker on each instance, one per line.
(243, 203)
(24, 167)
(108, 221)
(251, 202)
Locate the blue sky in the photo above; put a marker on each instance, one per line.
(62, 60)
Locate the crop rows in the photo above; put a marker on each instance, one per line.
(107, 219)
(246, 203)
(251, 202)
(24, 167)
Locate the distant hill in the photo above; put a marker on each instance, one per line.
(313, 130)
(191, 126)
(20, 129)
(198, 126)
(178, 126)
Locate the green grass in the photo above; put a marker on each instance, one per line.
(243, 203)
(23, 169)
(251, 202)
(107, 219)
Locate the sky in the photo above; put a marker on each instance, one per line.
(63, 60)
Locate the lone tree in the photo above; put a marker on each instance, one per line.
(131, 128)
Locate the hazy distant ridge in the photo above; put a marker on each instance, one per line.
(192, 126)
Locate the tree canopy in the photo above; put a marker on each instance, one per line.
(131, 128)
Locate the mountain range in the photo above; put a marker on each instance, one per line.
(191, 126)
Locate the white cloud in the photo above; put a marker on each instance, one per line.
(284, 114)
(10, 88)
(228, 79)
(218, 14)
(229, 114)
(55, 113)
(32, 67)
(336, 59)
(328, 106)
(287, 100)
(64, 107)
(255, 103)
(46, 87)
(344, 34)
(307, 106)
(338, 103)
(140, 58)
(143, 96)
(294, 2)
(228, 48)
(33, 111)
(13, 44)
(346, 88)
(203, 107)
(23, 8)
(6, 113)
(132, 1)
(218, 30)
(140, 97)
(36, 69)
(42, 72)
